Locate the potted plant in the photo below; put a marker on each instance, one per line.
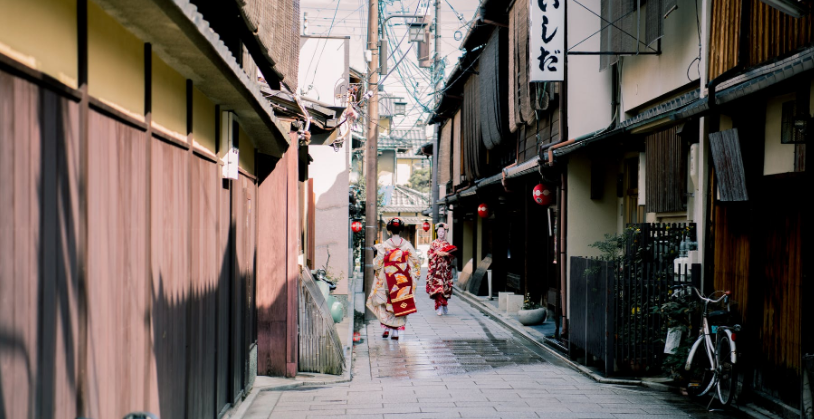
(531, 313)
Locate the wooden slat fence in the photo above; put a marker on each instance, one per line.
(159, 318)
(319, 344)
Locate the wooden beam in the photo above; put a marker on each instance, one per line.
(82, 407)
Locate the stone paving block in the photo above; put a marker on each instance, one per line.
(433, 415)
(464, 365)
(382, 411)
(262, 406)
(605, 408)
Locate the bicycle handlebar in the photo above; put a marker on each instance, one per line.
(701, 296)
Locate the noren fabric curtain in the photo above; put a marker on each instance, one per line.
(471, 142)
(457, 153)
(520, 92)
(492, 85)
(444, 156)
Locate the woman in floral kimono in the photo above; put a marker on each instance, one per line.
(397, 270)
(439, 270)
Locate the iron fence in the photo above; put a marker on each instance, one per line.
(614, 321)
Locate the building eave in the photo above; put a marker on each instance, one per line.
(181, 37)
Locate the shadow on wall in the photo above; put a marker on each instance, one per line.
(176, 345)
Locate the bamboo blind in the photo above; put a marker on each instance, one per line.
(771, 34)
(666, 172)
(444, 157)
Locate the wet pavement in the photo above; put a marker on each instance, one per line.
(464, 365)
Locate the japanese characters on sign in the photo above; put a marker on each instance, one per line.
(547, 40)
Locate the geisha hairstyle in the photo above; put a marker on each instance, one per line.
(395, 225)
(441, 225)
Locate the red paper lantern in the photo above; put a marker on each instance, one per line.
(356, 226)
(483, 211)
(426, 226)
(543, 195)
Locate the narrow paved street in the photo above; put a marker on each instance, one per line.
(463, 365)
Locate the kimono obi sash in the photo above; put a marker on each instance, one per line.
(399, 282)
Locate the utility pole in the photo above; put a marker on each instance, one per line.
(436, 100)
(371, 145)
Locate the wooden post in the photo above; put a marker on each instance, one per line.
(371, 147)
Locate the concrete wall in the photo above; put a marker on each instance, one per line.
(115, 63)
(589, 90)
(646, 77)
(42, 35)
(330, 173)
(588, 220)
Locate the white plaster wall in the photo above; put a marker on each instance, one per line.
(330, 172)
(589, 90)
(588, 220)
(323, 69)
(404, 170)
(646, 77)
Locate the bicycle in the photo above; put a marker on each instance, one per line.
(718, 366)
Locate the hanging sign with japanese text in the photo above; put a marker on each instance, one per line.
(547, 40)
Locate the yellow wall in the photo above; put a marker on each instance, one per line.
(385, 167)
(384, 125)
(169, 97)
(779, 158)
(479, 249)
(203, 120)
(588, 220)
(246, 155)
(41, 34)
(468, 240)
(115, 62)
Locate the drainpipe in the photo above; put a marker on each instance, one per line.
(563, 255)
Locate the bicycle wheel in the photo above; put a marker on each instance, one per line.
(727, 376)
(701, 374)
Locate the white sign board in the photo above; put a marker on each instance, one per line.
(547, 40)
(230, 163)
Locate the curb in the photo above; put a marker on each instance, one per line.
(497, 316)
(239, 409)
(750, 409)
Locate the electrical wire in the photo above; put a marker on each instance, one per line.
(323, 46)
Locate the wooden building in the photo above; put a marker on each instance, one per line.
(492, 123)
(135, 276)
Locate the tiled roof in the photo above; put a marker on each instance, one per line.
(404, 199)
(405, 141)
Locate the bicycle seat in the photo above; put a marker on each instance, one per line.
(717, 317)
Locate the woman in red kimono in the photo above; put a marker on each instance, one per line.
(397, 269)
(439, 270)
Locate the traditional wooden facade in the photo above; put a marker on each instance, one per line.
(759, 245)
(492, 124)
(134, 277)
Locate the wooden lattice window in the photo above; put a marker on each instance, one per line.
(666, 172)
